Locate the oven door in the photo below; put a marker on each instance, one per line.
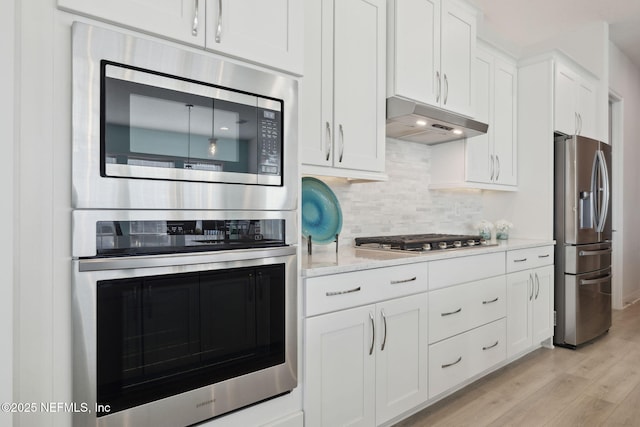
(158, 127)
(177, 339)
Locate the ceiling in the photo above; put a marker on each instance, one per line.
(526, 22)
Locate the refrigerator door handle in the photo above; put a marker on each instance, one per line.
(595, 281)
(604, 203)
(595, 194)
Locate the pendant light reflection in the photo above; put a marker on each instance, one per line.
(213, 145)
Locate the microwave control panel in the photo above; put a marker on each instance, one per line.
(270, 142)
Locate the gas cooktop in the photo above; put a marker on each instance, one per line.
(421, 242)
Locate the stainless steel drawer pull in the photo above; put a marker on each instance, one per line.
(451, 364)
(544, 256)
(489, 302)
(348, 291)
(520, 260)
(396, 282)
(595, 253)
(491, 346)
(384, 322)
(451, 312)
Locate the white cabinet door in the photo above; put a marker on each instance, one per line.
(401, 359)
(416, 50)
(504, 123)
(566, 119)
(576, 103)
(359, 108)
(266, 32)
(342, 93)
(179, 20)
(458, 47)
(542, 322)
(340, 368)
(480, 162)
(586, 109)
(519, 297)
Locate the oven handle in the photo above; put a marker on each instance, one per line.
(149, 261)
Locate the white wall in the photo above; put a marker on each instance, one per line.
(624, 79)
(7, 213)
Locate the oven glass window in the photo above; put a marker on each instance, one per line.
(163, 335)
(161, 127)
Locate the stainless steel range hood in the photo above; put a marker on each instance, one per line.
(416, 122)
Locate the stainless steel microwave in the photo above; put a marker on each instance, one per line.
(161, 127)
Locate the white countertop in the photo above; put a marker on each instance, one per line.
(353, 259)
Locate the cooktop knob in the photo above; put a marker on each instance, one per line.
(457, 244)
(426, 247)
(442, 245)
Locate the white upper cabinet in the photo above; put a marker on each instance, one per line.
(268, 32)
(342, 94)
(431, 50)
(486, 161)
(264, 32)
(491, 158)
(575, 101)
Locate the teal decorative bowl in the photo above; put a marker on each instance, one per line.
(321, 213)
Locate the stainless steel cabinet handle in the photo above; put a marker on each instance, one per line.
(439, 86)
(530, 281)
(492, 168)
(491, 346)
(194, 28)
(349, 291)
(384, 337)
(219, 26)
(446, 89)
(537, 286)
(492, 301)
(451, 312)
(575, 116)
(520, 260)
(498, 167)
(328, 141)
(341, 143)
(580, 119)
(544, 256)
(596, 281)
(373, 333)
(451, 364)
(396, 282)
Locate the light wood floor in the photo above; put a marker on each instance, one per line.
(596, 385)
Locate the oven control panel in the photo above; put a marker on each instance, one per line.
(269, 142)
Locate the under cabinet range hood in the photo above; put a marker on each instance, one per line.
(415, 122)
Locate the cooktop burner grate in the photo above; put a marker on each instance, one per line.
(421, 242)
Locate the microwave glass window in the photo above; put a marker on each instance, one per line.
(160, 127)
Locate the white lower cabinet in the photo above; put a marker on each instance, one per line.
(455, 360)
(530, 308)
(366, 365)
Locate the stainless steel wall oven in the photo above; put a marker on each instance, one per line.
(184, 245)
(169, 334)
(158, 127)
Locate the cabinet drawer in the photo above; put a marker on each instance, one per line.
(340, 291)
(456, 309)
(453, 271)
(459, 358)
(523, 259)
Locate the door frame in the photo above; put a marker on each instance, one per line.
(615, 135)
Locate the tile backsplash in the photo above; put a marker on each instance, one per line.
(403, 204)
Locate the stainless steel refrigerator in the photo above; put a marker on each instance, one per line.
(582, 229)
